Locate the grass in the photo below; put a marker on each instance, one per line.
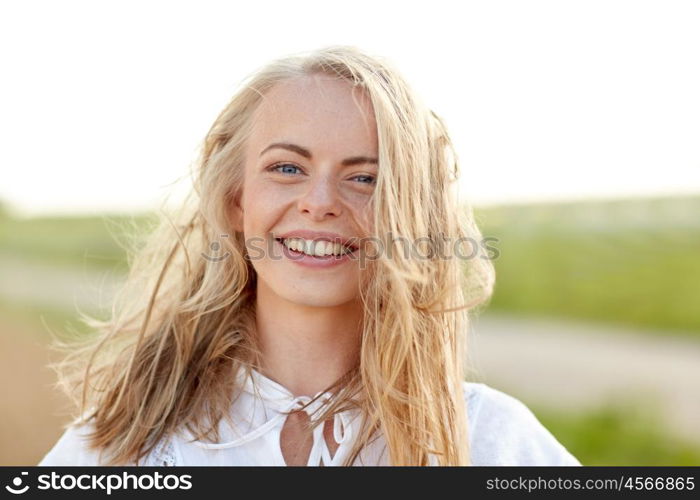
(92, 241)
(600, 261)
(618, 435)
(41, 319)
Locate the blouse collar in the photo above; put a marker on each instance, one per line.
(281, 401)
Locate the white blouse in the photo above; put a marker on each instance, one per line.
(502, 431)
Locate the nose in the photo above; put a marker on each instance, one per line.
(321, 199)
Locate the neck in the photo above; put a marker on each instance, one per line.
(305, 348)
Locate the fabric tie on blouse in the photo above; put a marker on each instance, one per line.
(277, 398)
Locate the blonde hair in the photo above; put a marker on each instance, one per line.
(182, 325)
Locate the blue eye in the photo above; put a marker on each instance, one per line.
(275, 168)
(371, 178)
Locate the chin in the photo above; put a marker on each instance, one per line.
(319, 296)
(319, 300)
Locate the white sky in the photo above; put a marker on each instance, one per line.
(102, 104)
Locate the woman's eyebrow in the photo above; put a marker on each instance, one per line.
(353, 160)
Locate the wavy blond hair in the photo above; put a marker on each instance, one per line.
(183, 325)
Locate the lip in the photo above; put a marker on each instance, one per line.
(314, 262)
(320, 236)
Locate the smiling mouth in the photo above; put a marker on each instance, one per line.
(349, 250)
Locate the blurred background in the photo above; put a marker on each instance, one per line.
(576, 126)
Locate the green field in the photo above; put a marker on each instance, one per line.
(85, 241)
(618, 435)
(628, 262)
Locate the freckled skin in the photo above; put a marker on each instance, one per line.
(318, 113)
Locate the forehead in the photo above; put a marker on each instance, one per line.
(315, 107)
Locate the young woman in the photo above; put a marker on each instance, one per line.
(310, 305)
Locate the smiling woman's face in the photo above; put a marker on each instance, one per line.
(310, 166)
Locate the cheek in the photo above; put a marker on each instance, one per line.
(262, 206)
(363, 212)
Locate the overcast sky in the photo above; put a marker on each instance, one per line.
(103, 104)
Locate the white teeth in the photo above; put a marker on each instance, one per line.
(330, 249)
(318, 248)
(339, 249)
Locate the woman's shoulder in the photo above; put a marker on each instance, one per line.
(504, 431)
(73, 448)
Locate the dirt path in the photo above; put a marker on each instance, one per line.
(32, 411)
(571, 366)
(44, 284)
